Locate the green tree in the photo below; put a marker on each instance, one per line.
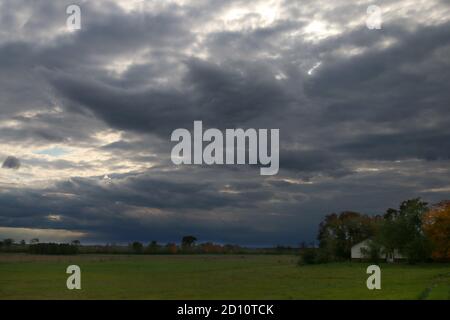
(153, 247)
(373, 251)
(402, 230)
(338, 233)
(8, 242)
(188, 242)
(137, 247)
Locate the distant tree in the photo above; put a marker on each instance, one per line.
(308, 256)
(153, 247)
(53, 248)
(231, 248)
(390, 214)
(8, 242)
(436, 224)
(402, 230)
(188, 241)
(22, 242)
(137, 247)
(76, 242)
(34, 241)
(338, 233)
(209, 247)
(171, 248)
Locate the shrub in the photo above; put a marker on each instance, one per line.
(137, 247)
(309, 256)
(53, 248)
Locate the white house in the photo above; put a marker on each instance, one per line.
(358, 252)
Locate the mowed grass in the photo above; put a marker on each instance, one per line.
(213, 277)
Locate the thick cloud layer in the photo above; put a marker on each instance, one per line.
(363, 114)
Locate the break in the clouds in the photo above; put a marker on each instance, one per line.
(363, 115)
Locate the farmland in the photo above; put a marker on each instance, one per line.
(24, 276)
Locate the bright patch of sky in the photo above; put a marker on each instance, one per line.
(54, 152)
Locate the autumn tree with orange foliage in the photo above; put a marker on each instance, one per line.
(436, 224)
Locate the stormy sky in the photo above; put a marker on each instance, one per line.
(86, 115)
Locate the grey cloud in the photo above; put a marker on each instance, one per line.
(220, 96)
(427, 144)
(11, 163)
(363, 132)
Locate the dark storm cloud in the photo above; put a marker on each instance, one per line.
(427, 144)
(90, 205)
(221, 96)
(397, 89)
(11, 163)
(50, 125)
(311, 162)
(132, 206)
(363, 132)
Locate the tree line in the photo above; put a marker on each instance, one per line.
(188, 245)
(415, 230)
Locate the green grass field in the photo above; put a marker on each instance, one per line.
(213, 277)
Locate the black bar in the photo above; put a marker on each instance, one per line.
(222, 309)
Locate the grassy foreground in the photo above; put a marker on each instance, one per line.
(213, 277)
